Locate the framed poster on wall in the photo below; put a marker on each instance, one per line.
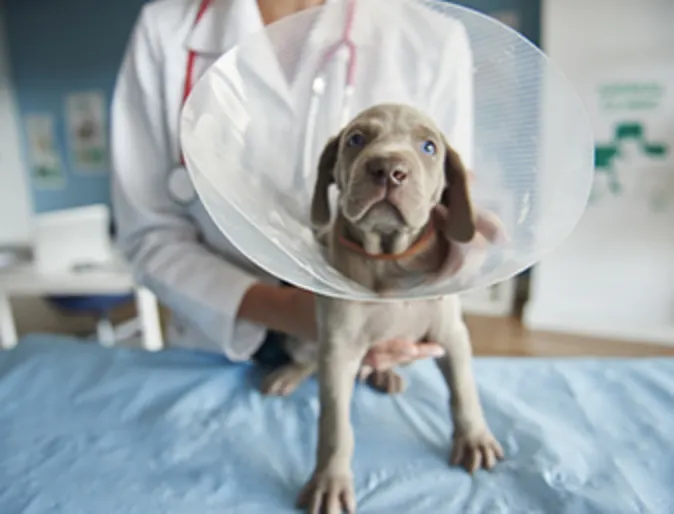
(46, 165)
(87, 127)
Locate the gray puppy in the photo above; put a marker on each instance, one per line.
(403, 197)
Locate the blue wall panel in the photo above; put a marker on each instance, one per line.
(58, 47)
(62, 46)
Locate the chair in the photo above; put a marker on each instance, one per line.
(101, 306)
(81, 238)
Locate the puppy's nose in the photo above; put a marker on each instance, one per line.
(398, 176)
(386, 170)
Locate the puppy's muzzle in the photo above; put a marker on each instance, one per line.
(388, 170)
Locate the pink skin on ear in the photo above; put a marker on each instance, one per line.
(488, 225)
(489, 230)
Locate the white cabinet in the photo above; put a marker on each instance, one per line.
(15, 206)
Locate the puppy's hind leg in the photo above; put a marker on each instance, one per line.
(285, 380)
(303, 363)
(385, 381)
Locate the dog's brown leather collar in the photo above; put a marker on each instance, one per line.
(420, 245)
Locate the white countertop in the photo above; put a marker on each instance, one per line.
(25, 279)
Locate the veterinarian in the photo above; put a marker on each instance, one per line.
(219, 300)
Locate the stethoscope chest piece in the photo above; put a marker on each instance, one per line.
(180, 187)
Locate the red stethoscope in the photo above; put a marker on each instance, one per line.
(180, 186)
(191, 57)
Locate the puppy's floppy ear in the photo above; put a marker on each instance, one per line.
(460, 223)
(320, 206)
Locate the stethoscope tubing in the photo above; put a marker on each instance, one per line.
(319, 85)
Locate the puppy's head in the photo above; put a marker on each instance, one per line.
(391, 165)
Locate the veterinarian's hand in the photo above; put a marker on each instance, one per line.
(397, 352)
(285, 309)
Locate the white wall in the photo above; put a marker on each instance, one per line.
(615, 276)
(15, 206)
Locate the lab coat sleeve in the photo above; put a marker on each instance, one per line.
(452, 96)
(156, 235)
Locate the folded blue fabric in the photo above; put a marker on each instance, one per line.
(90, 430)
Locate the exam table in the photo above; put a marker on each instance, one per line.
(88, 430)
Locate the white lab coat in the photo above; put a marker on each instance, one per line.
(174, 248)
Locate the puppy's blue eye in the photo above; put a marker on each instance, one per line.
(357, 139)
(429, 147)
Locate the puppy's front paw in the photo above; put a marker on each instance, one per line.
(286, 379)
(386, 381)
(328, 492)
(475, 449)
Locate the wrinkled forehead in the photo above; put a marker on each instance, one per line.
(394, 122)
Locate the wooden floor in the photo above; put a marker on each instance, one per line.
(507, 337)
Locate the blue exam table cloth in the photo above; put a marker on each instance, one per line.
(89, 430)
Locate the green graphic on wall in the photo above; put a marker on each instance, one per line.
(606, 155)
